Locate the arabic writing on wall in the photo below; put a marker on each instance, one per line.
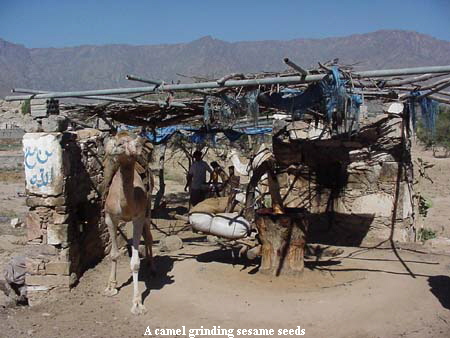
(38, 157)
(43, 164)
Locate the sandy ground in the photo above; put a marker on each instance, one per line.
(361, 293)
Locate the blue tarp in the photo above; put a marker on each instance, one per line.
(199, 135)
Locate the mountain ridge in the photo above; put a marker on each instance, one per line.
(105, 66)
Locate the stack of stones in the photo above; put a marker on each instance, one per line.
(66, 232)
(349, 185)
(45, 116)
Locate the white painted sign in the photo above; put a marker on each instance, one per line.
(43, 163)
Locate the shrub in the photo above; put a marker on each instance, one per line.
(426, 234)
(25, 108)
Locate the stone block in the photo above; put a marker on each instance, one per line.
(378, 204)
(104, 124)
(43, 211)
(393, 128)
(55, 123)
(64, 254)
(38, 102)
(48, 281)
(87, 133)
(59, 218)
(35, 266)
(38, 111)
(389, 172)
(57, 234)
(33, 223)
(44, 252)
(62, 209)
(33, 126)
(359, 154)
(37, 201)
(57, 268)
(43, 163)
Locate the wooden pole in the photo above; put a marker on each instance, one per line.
(162, 185)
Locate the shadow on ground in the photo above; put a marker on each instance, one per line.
(154, 280)
(440, 287)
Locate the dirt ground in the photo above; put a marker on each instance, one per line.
(361, 293)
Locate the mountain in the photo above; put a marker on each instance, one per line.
(93, 67)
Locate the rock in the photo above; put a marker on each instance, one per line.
(389, 172)
(33, 126)
(170, 243)
(57, 268)
(16, 223)
(211, 239)
(379, 204)
(87, 133)
(33, 222)
(104, 124)
(47, 281)
(73, 279)
(6, 302)
(254, 252)
(35, 201)
(60, 218)
(57, 233)
(43, 163)
(55, 123)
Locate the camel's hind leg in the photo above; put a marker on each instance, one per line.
(111, 289)
(138, 224)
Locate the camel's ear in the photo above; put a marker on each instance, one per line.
(110, 145)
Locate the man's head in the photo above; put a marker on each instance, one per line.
(215, 165)
(197, 155)
(231, 170)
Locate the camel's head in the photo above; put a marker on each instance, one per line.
(124, 147)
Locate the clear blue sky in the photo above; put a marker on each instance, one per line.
(58, 23)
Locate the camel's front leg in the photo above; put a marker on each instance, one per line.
(137, 307)
(111, 289)
(148, 240)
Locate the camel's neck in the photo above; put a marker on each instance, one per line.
(127, 177)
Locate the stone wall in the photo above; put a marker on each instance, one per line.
(349, 185)
(66, 234)
(11, 133)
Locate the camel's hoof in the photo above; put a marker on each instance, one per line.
(110, 291)
(138, 309)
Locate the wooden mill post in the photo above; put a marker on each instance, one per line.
(283, 238)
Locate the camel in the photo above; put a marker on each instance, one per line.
(126, 200)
